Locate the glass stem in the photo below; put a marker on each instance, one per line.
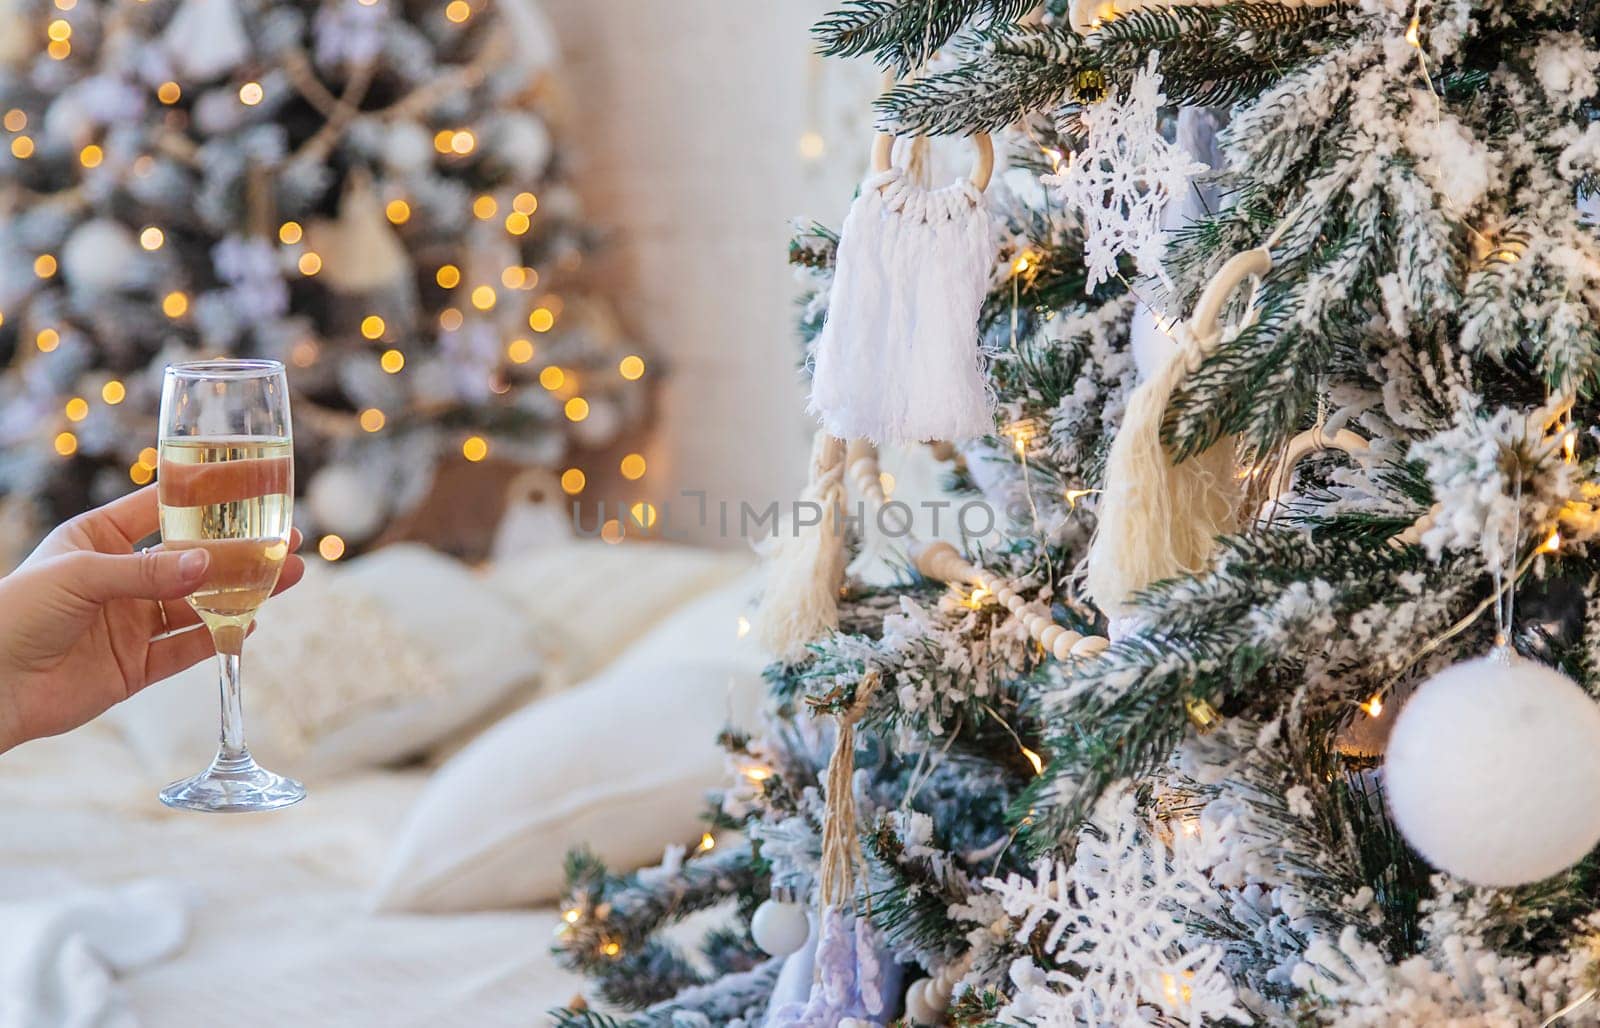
(232, 752)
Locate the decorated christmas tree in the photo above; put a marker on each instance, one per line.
(366, 190)
(1275, 706)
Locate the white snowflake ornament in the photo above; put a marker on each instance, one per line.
(1114, 917)
(1123, 178)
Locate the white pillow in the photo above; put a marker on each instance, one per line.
(590, 599)
(620, 764)
(362, 664)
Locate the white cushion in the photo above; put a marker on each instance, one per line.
(589, 599)
(620, 763)
(362, 664)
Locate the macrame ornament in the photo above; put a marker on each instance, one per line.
(360, 251)
(1160, 518)
(898, 361)
(801, 601)
(855, 976)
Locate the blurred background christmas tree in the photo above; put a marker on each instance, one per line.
(366, 190)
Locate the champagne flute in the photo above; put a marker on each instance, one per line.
(227, 485)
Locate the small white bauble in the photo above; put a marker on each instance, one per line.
(602, 426)
(919, 1007)
(342, 501)
(1493, 771)
(780, 928)
(100, 256)
(407, 147)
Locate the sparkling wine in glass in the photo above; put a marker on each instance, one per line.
(226, 484)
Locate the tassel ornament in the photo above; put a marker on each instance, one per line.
(1158, 518)
(897, 361)
(801, 600)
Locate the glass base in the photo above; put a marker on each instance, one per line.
(234, 787)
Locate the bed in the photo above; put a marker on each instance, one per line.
(280, 933)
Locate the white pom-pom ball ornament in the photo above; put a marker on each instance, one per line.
(341, 499)
(780, 927)
(1493, 771)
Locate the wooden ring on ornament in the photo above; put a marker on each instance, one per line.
(1312, 440)
(1240, 268)
(982, 164)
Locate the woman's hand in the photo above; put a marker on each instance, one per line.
(86, 621)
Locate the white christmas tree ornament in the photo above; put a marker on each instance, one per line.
(1124, 177)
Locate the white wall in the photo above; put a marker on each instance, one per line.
(687, 118)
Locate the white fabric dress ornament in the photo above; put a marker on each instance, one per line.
(1124, 177)
(898, 361)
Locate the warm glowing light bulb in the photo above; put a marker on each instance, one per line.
(47, 340)
(77, 409)
(59, 49)
(611, 531)
(174, 304)
(448, 276)
(91, 156)
(644, 514)
(44, 265)
(372, 326)
(15, 120)
(484, 207)
(152, 238)
(60, 29)
(475, 448)
(525, 203)
(22, 148)
(552, 378)
(512, 277)
(707, 842)
(483, 298)
(169, 93)
(113, 392)
(542, 319)
(309, 264)
(631, 367)
(290, 233)
(450, 319)
(331, 547)
(572, 481)
(304, 353)
(812, 146)
(372, 420)
(1414, 31)
(397, 211)
(1552, 544)
(441, 140)
(251, 94)
(632, 467)
(141, 473)
(611, 949)
(148, 456)
(458, 11)
(519, 351)
(1035, 760)
(741, 628)
(517, 223)
(462, 141)
(392, 361)
(1374, 706)
(576, 409)
(66, 444)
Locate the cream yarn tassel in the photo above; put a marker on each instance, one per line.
(801, 601)
(1159, 519)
